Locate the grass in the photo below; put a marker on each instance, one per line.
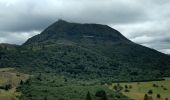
(139, 89)
(13, 77)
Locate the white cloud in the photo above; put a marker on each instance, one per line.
(17, 38)
(167, 51)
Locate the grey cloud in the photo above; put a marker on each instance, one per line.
(28, 14)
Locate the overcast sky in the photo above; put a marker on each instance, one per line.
(146, 22)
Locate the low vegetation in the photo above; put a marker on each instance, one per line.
(154, 90)
(9, 80)
(51, 86)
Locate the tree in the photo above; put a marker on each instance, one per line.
(155, 85)
(158, 96)
(145, 97)
(88, 97)
(45, 98)
(115, 87)
(8, 86)
(126, 87)
(21, 82)
(101, 94)
(150, 92)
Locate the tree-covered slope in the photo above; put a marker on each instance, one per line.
(86, 51)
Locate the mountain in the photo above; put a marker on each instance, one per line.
(77, 32)
(86, 51)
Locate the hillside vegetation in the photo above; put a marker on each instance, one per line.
(9, 80)
(50, 86)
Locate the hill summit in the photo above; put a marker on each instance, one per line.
(68, 30)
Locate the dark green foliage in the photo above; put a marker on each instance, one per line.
(7, 87)
(117, 87)
(145, 97)
(45, 98)
(126, 87)
(102, 94)
(155, 85)
(165, 88)
(158, 96)
(150, 92)
(21, 82)
(88, 96)
(59, 89)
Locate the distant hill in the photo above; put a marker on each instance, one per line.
(86, 51)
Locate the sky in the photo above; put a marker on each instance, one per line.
(146, 22)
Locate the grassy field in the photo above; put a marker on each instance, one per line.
(139, 89)
(12, 77)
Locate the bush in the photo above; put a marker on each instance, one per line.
(158, 96)
(165, 88)
(21, 82)
(145, 97)
(101, 94)
(126, 87)
(155, 85)
(115, 87)
(150, 92)
(88, 97)
(126, 90)
(8, 86)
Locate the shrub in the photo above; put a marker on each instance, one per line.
(101, 94)
(126, 87)
(126, 90)
(165, 88)
(155, 85)
(21, 82)
(88, 97)
(150, 92)
(158, 96)
(145, 97)
(8, 86)
(115, 87)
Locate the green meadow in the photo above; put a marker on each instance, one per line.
(137, 90)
